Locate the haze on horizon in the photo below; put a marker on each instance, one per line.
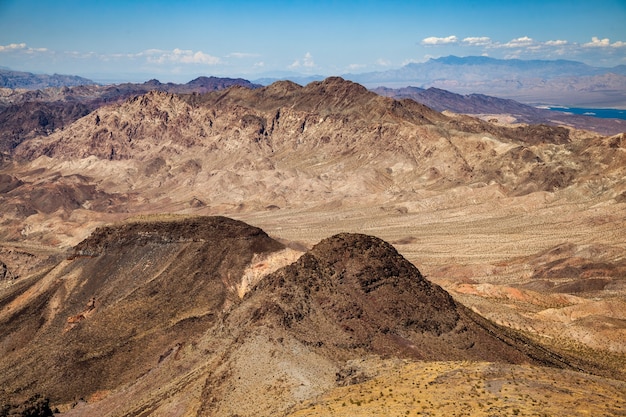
(178, 41)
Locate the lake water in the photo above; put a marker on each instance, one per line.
(602, 113)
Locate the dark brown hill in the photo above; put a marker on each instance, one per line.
(354, 294)
(350, 297)
(206, 84)
(127, 296)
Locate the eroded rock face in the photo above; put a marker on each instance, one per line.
(29, 114)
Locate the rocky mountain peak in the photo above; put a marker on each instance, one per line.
(206, 84)
(282, 87)
(334, 85)
(363, 286)
(372, 261)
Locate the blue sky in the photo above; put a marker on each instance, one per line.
(180, 40)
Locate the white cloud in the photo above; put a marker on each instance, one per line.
(598, 43)
(180, 56)
(306, 62)
(383, 62)
(416, 61)
(190, 57)
(604, 43)
(557, 43)
(20, 47)
(524, 41)
(477, 40)
(355, 67)
(433, 40)
(12, 47)
(242, 55)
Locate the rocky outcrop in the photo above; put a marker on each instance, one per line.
(32, 119)
(5, 273)
(349, 297)
(194, 229)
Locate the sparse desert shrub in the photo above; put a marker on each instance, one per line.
(35, 406)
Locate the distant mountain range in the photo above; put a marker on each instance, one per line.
(484, 69)
(554, 82)
(501, 109)
(561, 82)
(534, 82)
(30, 81)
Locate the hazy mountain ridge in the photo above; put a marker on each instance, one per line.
(568, 83)
(27, 80)
(504, 110)
(481, 68)
(536, 67)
